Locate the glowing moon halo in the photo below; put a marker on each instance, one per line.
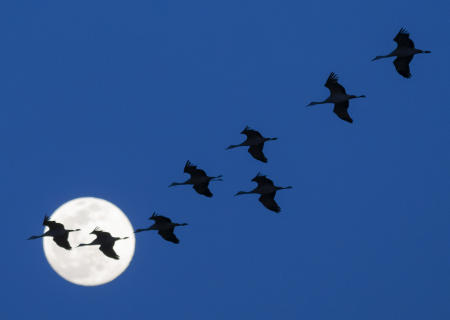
(88, 266)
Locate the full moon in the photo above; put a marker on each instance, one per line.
(88, 266)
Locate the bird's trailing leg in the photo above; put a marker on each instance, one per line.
(218, 178)
(140, 230)
(176, 184)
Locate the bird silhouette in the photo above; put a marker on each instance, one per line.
(57, 231)
(255, 141)
(404, 53)
(267, 190)
(165, 227)
(339, 97)
(199, 179)
(106, 242)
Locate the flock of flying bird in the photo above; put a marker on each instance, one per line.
(404, 54)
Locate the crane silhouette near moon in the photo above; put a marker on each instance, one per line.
(87, 266)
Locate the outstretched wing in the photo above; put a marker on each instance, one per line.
(203, 189)
(402, 66)
(262, 180)
(250, 133)
(108, 251)
(341, 110)
(102, 236)
(52, 225)
(160, 219)
(268, 200)
(193, 170)
(403, 40)
(257, 152)
(333, 85)
(63, 242)
(167, 234)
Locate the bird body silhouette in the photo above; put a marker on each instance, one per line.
(106, 242)
(267, 190)
(199, 179)
(404, 53)
(57, 231)
(339, 97)
(165, 227)
(255, 141)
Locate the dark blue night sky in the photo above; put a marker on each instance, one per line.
(110, 98)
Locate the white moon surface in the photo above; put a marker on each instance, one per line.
(87, 265)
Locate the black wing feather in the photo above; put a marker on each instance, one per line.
(108, 251)
(250, 133)
(402, 66)
(333, 85)
(268, 200)
(63, 242)
(341, 110)
(168, 235)
(403, 40)
(203, 189)
(160, 219)
(262, 180)
(257, 152)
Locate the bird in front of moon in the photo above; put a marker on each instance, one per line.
(88, 266)
(165, 227)
(106, 242)
(57, 231)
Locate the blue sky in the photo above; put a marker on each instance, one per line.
(110, 98)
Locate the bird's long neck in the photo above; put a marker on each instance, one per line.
(178, 183)
(268, 139)
(317, 102)
(145, 229)
(382, 57)
(244, 192)
(423, 51)
(36, 237)
(234, 146)
(95, 242)
(85, 244)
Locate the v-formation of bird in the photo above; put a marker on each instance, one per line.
(199, 180)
